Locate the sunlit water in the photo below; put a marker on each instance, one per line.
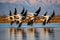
(29, 33)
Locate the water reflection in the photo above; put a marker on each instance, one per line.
(45, 34)
(15, 34)
(36, 34)
(30, 34)
(23, 35)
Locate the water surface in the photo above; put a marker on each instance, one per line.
(35, 32)
(27, 34)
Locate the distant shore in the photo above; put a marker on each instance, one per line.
(56, 19)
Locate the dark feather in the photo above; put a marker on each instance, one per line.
(37, 12)
(25, 13)
(19, 24)
(15, 12)
(22, 11)
(12, 22)
(10, 14)
(45, 14)
(23, 18)
(53, 14)
(49, 19)
(30, 22)
(44, 22)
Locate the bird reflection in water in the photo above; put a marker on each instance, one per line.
(16, 34)
(50, 30)
(32, 34)
(12, 34)
(49, 33)
(36, 34)
(24, 35)
(31, 29)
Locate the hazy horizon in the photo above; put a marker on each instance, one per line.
(30, 5)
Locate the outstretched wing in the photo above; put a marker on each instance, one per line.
(24, 15)
(37, 12)
(51, 16)
(45, 14)
(15, 12)
(10, 14)
(22, 11)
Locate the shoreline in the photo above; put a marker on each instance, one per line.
(56, 19)
(24, 23)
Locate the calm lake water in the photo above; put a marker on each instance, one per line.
(8, 33)
(38, 25)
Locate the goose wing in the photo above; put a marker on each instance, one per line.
(10, 14)
(37, 12)
(15, 12)
(45, 14)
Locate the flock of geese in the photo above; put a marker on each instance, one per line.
(19, 18)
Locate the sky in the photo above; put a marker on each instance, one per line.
(31, 1)
(30, 5)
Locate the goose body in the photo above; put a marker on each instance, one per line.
(45, 17)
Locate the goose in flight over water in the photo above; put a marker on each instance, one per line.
(47, 18)
(17, 18)
(23, 17)
(31, 21)
(11, 17)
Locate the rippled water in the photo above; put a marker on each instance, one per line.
(29, 34)
(36, 32)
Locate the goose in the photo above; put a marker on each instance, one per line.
(33, 16)
(47, 18)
